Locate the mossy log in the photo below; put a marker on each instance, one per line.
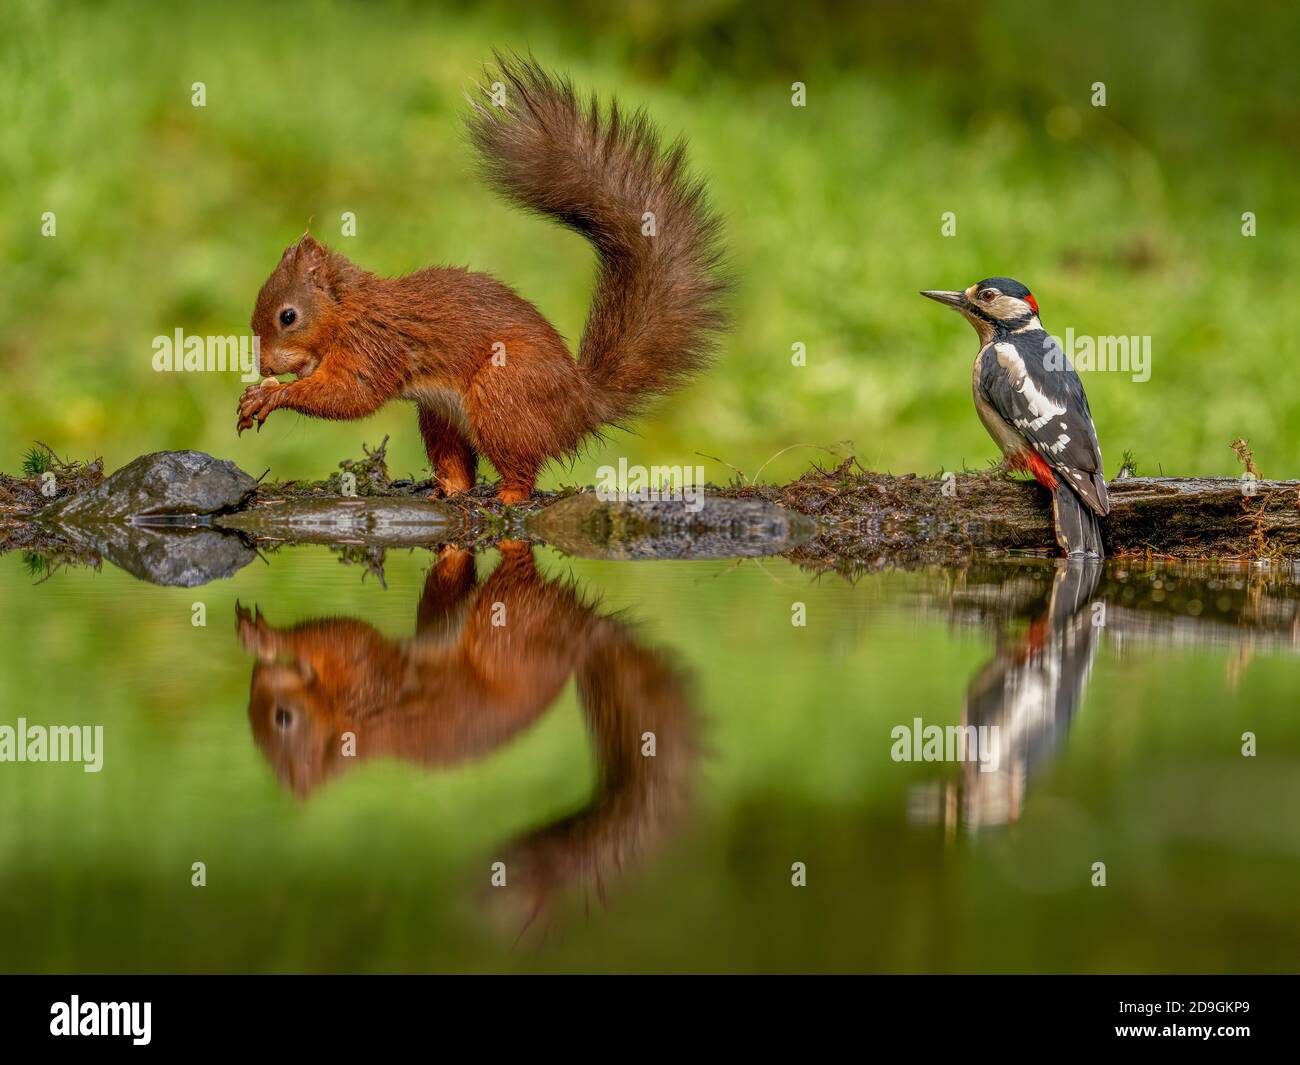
(582, 524)
(869, 517)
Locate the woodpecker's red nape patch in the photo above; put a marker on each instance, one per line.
(1032, 462)
(1029, 299)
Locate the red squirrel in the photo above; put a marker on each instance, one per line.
(487, 372)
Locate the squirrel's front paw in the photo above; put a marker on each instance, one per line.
(257, 402)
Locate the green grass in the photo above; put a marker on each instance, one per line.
(37, 461)
(1125, 220)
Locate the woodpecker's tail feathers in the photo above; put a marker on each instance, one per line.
(656, 315)
(1078, 529)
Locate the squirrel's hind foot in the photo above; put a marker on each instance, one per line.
(514, 493)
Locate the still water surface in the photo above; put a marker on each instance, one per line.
(643, 751)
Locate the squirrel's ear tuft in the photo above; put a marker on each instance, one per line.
(309, 251)
(312, 259)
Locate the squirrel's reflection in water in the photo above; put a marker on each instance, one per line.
(1027, 694)
(486, 661)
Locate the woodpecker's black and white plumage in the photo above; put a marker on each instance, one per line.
(1032, 403)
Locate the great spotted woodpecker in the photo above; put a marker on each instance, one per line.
(1032, 403)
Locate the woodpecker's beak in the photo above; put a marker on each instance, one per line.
(955, 300)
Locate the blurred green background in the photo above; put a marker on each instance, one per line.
(1124, 219)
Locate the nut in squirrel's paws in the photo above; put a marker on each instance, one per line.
(257, 402)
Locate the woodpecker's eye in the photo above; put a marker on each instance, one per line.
(988, 295)
(288, 316)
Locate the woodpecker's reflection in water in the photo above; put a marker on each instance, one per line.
(1019, 707)
(1028, 693)
(1021, 703)
(486, 662)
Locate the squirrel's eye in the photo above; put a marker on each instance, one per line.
(288, 316)
(283, 719)
(987, 296)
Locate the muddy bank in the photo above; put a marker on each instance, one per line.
(846, 518)
(185, 518)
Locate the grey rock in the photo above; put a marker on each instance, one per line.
(165, 482)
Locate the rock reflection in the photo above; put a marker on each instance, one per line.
(486, 662)
(173, 553)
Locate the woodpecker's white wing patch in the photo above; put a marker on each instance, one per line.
(1042, 408)
(1025, 389)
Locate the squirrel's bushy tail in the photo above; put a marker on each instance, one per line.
(656, 313)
